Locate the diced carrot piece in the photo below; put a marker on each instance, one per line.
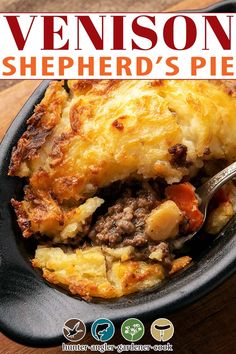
(184, 196)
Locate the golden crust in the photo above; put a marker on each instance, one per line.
(228, 86)
(40, 213)
(107, 130)
(179, 264)
(219, 217)
(88, 273)
(39, 127)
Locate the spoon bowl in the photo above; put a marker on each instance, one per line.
(205, 194)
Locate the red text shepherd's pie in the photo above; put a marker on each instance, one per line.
(110, 166)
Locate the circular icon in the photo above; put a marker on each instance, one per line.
(132, 329)
(102, 329)
(74, 330)
(162, 329)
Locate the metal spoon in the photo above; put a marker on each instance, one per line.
(205, 193)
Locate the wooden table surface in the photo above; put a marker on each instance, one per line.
(206, 327)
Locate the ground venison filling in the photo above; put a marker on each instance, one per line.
(124, 224)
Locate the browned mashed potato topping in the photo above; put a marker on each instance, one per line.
(111, 167)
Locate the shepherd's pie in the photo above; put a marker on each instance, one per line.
(111, 169)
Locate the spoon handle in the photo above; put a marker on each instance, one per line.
(206, 191)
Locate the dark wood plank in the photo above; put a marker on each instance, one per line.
(11, 101)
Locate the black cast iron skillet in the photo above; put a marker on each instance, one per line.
(32, 312)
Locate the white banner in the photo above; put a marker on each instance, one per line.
(117, 45)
